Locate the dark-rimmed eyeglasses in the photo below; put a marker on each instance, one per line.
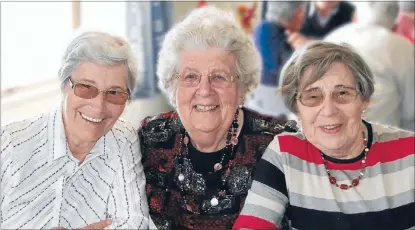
(315, 96)
(87, 91)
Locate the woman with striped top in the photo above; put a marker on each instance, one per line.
(339, 172)
(79, 165)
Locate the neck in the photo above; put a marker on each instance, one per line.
(214, 141)
(79, 148)
(352, 151)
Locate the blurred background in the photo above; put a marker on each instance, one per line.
(34, 35)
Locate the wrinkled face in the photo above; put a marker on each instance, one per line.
(332, 126)
(90, 119)
(206, 106)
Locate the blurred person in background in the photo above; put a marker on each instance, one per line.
(271, 42)
(390, 57)
(321, 18)
(339, 171)
(79, 165)
(199, 158)
(406, 20)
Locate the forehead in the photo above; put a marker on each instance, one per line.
(207, 59)
(337, 74)
(114, 75)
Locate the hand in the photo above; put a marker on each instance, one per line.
(296, 39)
(98, 225)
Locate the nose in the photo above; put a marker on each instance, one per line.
(98, 102)
(204, 88)
(329, 107)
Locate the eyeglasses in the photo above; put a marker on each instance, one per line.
(216, 80)
(315, 96)
(86, 91)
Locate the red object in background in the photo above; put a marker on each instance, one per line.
(405, 28)
(201, 4)
(246, 15)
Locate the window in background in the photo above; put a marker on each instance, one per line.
(33, 35)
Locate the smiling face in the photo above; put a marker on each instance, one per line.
(207, 108)
(333, 127)
(90, 119)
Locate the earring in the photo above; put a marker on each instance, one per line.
(240, 106)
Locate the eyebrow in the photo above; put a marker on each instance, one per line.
(92, 82)
(336, 86)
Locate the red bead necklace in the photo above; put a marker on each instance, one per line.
(355, 181)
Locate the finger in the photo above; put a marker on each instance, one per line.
(99, 225)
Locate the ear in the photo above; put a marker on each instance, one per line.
(364, 105)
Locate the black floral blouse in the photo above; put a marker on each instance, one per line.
(161, 139)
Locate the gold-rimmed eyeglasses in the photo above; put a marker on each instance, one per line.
(87, 91)
(216, 80)
(315, 96)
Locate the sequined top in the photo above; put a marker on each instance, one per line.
(161, 137)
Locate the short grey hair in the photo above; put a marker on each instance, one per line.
(382, 14)
(100, 48)
(278, 11)
(208, 27)
(319, 55)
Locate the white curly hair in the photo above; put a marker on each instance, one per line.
(204, 28)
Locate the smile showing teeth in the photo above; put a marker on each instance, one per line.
(95, 120)
(205, 108)
(331, 126)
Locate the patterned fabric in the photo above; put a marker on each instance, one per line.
(161, 142)
(291, 178)
(44, 186)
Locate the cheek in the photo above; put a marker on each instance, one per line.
(184, 97)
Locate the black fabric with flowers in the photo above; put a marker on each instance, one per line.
(187, 203)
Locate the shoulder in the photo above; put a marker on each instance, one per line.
(347, 7)
(23, 129)
(384, 133)
(258, 123)
(289, 142)
(160, 128)
(124, 131)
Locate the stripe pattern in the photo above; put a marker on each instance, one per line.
(290, 180)
(44, 186)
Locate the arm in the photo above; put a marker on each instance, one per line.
(128, 203)
(5, 167)
(267, 199)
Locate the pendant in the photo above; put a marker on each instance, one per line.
(234, 140)
(217, 166)
(214, 202)
(186, 140)
(181, 177)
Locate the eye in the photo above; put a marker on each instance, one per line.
(85, 86)
(113, 92)
(190, 76)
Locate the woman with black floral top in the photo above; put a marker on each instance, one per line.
(199, 159)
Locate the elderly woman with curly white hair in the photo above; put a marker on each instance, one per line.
(198, 159)
(79, 165)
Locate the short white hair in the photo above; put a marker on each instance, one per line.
(101, 48)
(208, 27)
(382, 14)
